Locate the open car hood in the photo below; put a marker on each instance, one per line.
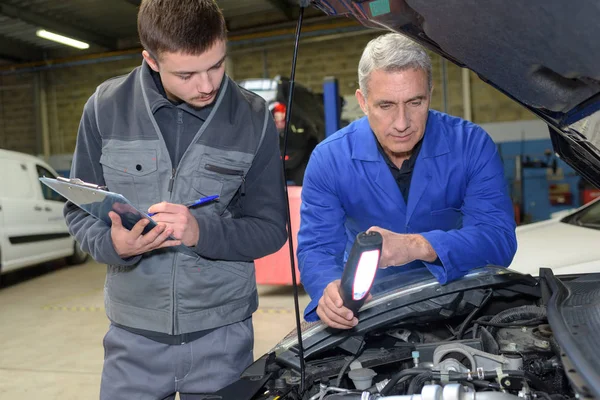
(410, 294)
(541, 53)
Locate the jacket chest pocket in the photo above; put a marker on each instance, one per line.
(446, 219)
(223, 179)
(132, 174)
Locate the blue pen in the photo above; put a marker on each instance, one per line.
(196, 202)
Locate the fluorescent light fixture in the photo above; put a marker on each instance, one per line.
(62, 39)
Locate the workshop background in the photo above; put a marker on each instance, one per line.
(52, 318)
(44, 85)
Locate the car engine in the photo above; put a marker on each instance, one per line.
(506, 356)
(482, 344)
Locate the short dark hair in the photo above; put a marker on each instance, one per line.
(187, 26)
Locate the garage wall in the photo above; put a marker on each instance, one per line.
(66, 89)
(17, 113)
(63, 90)
(340, 58)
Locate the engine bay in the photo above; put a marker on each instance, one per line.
(500, 348)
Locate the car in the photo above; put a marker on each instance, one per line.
(32, 226)
(566, 243)
(307, 123)
(496, 333)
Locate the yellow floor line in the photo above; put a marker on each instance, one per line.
(73, 309)
(96, 309)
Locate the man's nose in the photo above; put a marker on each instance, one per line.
(204, 84)
(402, 121)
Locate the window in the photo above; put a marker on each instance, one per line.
(48, 193)
(591, 216)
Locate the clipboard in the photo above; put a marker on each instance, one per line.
(98, 202)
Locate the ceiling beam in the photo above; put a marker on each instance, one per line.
(285, 7)
(16, 50)
(56, 26)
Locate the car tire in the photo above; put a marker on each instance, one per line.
(79, 256)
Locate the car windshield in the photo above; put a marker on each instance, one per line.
(384, 290)
(413, 280)
(405, 278)
(588, 217)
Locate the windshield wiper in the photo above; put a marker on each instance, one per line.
(591, 225)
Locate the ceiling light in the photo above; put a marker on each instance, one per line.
(61, 39)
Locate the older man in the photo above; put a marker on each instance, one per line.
(432, 184)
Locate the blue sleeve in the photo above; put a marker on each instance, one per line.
(322, 236)
(487, 236)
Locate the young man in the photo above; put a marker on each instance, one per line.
(433, 185)
(174, 130)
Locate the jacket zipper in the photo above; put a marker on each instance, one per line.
(174, 274)
(172, 180)
(227, 171)
(174, 326)
(171, 184)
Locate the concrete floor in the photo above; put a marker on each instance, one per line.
(52, 322)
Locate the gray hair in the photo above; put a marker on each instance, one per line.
(392, 52)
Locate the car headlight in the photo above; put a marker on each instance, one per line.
(307, 329)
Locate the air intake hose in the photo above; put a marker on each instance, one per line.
(511, 315)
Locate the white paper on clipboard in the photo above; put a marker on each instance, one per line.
(98, 202)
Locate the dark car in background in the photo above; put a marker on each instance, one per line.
(307, 123)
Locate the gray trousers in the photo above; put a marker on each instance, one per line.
(136, 367)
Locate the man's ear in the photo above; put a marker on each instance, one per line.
(362, 101)
(150, 60)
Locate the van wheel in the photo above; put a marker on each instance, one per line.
(79, 256)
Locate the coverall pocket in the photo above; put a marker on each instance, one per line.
(225, 179)
(447, 219)
(132, 173)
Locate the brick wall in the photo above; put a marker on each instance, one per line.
(17, 113)
(69, 88)
(340, 58)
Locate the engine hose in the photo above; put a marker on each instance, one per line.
(488, 375)
(486, 385)
(344, 396)
(416, 384)
(465, 324)
(375, 389)
(555, 347)
(516, 314)
(404, 373)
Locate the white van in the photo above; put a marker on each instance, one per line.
(32, 226)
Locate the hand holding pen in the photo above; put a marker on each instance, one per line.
(196, 202)
(178, 218)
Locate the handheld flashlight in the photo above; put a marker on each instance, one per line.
(360, 269)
